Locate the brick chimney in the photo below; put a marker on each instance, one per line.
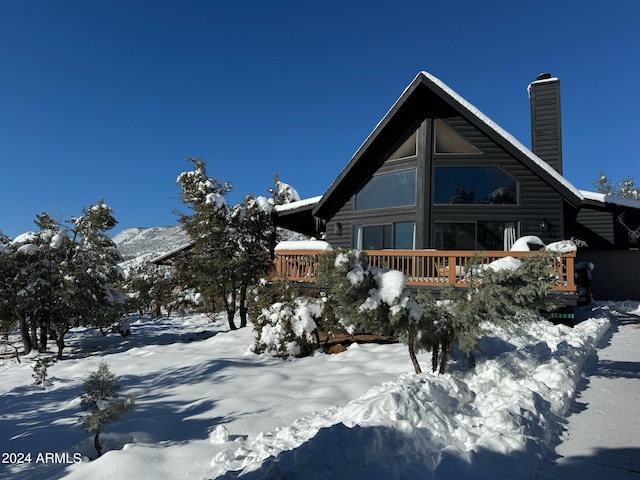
(546, 125)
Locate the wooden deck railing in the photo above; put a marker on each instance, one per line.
(423, 268)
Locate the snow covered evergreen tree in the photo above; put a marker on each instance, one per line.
(283, 193)
(64, 276)
(147, 284)
(624, 188)
(376, 301)
(428, 325)
(101, 398)
(287, 328)
(252, 225)
(507, 293)
(8, 271)
(231, 245)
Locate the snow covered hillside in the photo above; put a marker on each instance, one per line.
(209, 408)
(149, 242)
(137, 245)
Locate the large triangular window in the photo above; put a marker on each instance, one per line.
(450, 141)
(407, 149)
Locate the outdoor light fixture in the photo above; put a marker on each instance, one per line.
(544, 226)
(337, 228)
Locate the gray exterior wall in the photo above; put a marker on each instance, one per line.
(616, 273)
(600, 228)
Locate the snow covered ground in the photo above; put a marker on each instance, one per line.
(208, 408)
(602, 437)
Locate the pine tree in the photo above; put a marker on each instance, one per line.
(87, 280)
(432, 328)
(148, 283)
(207, 266)
(8, 271)
(231, 245)
(625, 188)
(348, 280)
(40, 369)
(505, 297)
(628, 189)
(64, 275)
(101, 398)
(252, 225)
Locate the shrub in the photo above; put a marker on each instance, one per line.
(40, 369)
(507, 293)
(361, 297)
(286, 328)
(101, 398)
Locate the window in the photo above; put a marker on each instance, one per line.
(450, 141)
(404, 236)
(399, 235)
(407, 149)
(474, 185)
(482, 235)
(397, 189)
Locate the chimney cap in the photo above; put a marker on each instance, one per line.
(543, 76)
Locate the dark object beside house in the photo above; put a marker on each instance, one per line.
(584, 281)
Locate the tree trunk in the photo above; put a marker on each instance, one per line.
(24, 330)
(60, 340)
(435, 351)
(412, 352)
(96, 443)
(44, 332)
(60, 343)
(33, 330)
(230, 307)
(243, 306)
(446, 349)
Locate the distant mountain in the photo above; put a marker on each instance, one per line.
(139, 245)
(142, 244)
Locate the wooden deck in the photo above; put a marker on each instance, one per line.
(422, 268)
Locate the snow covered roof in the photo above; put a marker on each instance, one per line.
(303, 245)
(604, 199)
(170, 254)
(289, 207)
(506, 135)
(472, 113)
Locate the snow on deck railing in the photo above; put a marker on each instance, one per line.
(422, 268)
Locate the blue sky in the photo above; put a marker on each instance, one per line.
(104, 99)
